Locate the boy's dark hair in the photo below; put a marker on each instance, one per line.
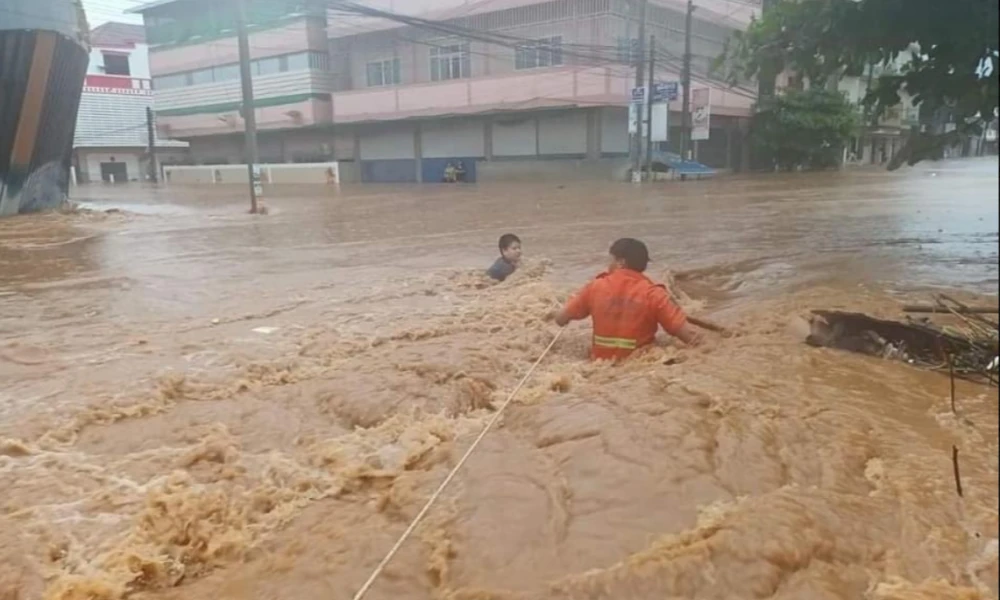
(507, 240)
(633, 252)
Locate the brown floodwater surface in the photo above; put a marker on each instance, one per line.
(200, 404)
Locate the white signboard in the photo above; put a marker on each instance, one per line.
(701, 113)
(662, 94)
(661, 122)
(258, 189)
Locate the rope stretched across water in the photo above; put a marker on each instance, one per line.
(430, 501)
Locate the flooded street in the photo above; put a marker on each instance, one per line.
(200, 404)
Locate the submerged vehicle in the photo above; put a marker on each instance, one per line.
(43, 61)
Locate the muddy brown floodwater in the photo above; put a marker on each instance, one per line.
(197, 404)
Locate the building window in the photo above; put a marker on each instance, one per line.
(166, 82)
(270, 66)
(546, 52)
(116, 64)
(319, 61)
(302, 61)
(226, 72)
(202, 76)
(383, 72)
(628, 50)
(299, 61)
(450, 62)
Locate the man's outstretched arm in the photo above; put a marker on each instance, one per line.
(576, 309)
(673, 320)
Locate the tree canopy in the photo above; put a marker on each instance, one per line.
(804, 129)
(954, 49)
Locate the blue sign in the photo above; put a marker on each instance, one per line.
(665, 92)
(662, 92)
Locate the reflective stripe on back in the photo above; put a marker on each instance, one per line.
(614, 342)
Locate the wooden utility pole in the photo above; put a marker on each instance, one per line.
(249, 118)
(649, 108)
(151, 135)
(686, 85)
(639, 59)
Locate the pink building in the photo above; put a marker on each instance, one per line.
(507, 87)
(111, 139)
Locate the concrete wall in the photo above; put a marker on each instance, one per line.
(413, 49)
(284, 100)
(290, 146)
(217, 149)
(90, 163)
(552, 169)
(311, 173)
(297, 36)
(138, 60)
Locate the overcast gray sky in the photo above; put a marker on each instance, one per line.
(102, 11)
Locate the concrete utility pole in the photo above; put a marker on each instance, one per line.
(649, 107)
(249, 118)
(765, 79)
(639, 59)
(686, 84)
(151, 134)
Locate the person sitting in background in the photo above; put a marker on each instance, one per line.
(460, 172)
(450, 173)
(510, 257)
(625, 306)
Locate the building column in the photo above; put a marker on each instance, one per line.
(418, 152)
(488, 139)
(594, 134)
(538, 141)
(729, 148)
(744, 129)
(359, 173)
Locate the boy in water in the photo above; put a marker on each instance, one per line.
(625, 306)
(510, 257)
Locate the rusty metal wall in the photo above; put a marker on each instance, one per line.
(43, 61)
(41, 79)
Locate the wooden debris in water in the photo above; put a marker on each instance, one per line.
(967, 350)
(958, 474)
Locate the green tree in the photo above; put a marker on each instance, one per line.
(953, 74)
(804, 129)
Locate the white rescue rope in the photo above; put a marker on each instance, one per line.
(430, 502)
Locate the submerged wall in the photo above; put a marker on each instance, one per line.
(43, 60)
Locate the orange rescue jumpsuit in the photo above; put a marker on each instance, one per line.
(626, 308)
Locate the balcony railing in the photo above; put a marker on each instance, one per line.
(117, 84)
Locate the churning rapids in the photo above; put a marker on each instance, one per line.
(197, 404)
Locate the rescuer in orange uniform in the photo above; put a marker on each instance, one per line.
(626, 307)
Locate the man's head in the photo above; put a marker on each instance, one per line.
(510, 247)
(629, 253)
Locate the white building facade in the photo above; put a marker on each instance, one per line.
(111, 143)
